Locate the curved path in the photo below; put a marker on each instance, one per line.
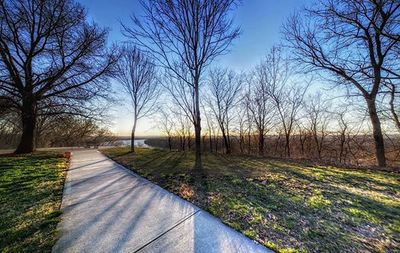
(108, 208)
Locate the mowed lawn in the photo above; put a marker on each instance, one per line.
(30, 197)
(285, 206)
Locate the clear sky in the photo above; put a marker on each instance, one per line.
(260, 22)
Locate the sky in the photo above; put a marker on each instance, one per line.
(260, 22)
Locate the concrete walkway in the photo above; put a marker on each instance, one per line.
(107, 208)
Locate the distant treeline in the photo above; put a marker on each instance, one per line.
(70, 131)
(333, 149)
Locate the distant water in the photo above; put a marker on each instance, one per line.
(138, 143)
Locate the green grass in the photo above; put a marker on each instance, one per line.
(30, 197)
(286, 206)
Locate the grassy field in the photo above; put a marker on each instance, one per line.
(286, 206)
(30, 198)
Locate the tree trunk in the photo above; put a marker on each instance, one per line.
(377, 133)
(210, 139)
(241, 137)
(287, 136)
(133, 137)
(226, 142)
(261, 143)
(342, 145)
(197, 131)
(197, 122)
(181, 146)
(392, 109)
(317, 143)
(216, 143)
(249, 143)
(302, 139)
(169, 143)
(28, 117)
(277, 145)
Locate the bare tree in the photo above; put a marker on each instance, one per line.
(222, 96)
(51, 58)
(303, 134)
(137, 74)
(246, 102)
(67, 131)
(260, 106)
(286, 95)
(188, 35)
(394, 104)
(355, 41)
(343, 133)
(9, 127)
(242, 124)
(167, 125)
(318, 120)
(184, 130)
(210, 126)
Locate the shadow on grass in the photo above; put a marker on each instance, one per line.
(199, 181)
(310, 211)
(284, 204)
(30, 197)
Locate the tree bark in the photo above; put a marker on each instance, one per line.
(210, 139)
(197, 123)
(260, 143)
(216, 143)
(197, 130)
(302, 139)
(287, 144)
(249, 143)
(392, 109)
(342, 145)
(133, 137)
(181, 146)
(170, 143)
(377, 133)
(241, 142)
(28, 117)
(318, 144)
(226, 142)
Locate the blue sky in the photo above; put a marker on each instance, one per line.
(260, 21)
